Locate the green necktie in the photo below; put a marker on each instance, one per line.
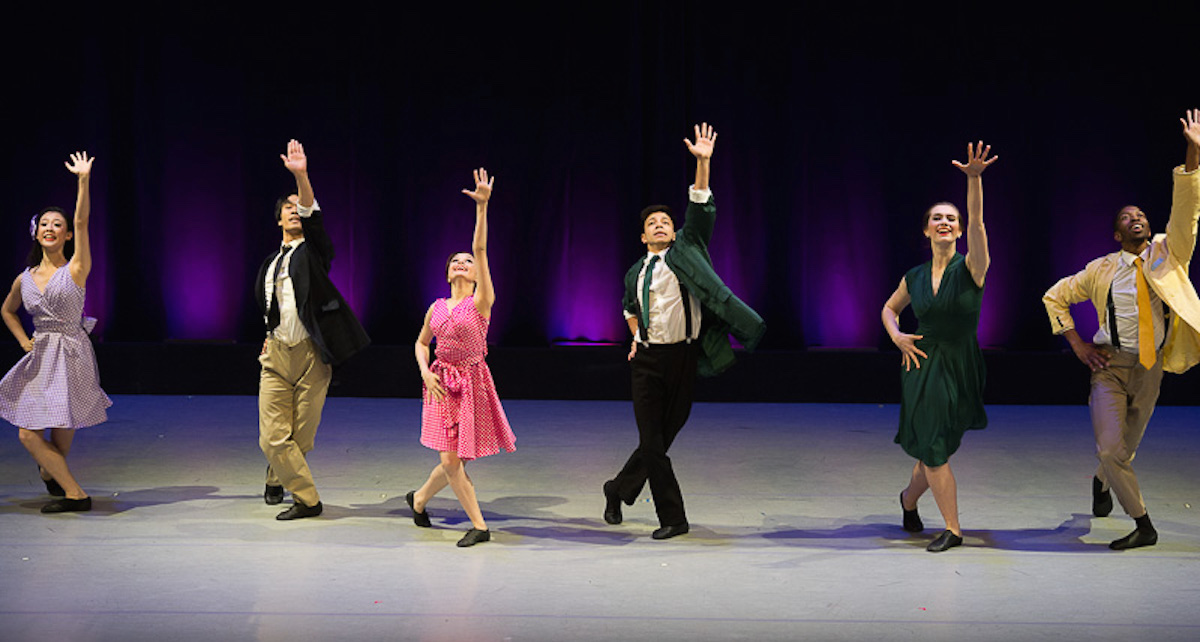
(646, 296)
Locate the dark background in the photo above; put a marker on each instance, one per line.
(836, 128)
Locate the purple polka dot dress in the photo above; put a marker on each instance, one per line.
(56, 385)
(470, 420)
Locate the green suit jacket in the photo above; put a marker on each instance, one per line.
(722, 312)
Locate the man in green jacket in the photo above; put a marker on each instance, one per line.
(681, 315)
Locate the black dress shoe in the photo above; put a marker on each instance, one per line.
(422, 518)
(52, 486)
(946, 541)
(65, 505)
(912, 520)
(473, 537)
(612, 503)
(1102, 503)
(667, 532)
(300, 511)
(1138, 538)
(273, 495)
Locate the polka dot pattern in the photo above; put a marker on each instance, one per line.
(469, 420)
(57, 384)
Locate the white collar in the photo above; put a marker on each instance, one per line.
(1128, 257)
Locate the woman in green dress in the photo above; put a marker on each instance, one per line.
(943, 372)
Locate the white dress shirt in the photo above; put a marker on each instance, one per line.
(1124, 297)
(290, 330)
(667, 322)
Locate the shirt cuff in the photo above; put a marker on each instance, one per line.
(307, 211)
(699, 195)
(629, 315)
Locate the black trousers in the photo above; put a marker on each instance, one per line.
(664, 381)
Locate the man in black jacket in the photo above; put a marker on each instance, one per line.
(309, 329)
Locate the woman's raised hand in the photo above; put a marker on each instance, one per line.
(80, 164)
(977, 159)
(483, 186)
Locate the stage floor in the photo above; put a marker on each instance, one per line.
(795, 532)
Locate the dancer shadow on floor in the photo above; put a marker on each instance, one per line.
(552, 526)
(1067, 537)
(852, 535)
(108, 503)
(446, 513)
(1064, 538)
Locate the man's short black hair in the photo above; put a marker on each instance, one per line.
(283, 200)
(1117, 218)
(650, 209)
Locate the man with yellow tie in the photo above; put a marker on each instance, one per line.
(1149, 314)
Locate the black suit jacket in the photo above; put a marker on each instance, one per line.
(325, 314)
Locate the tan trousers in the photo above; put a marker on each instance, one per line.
(1122, 400)
(291, 395)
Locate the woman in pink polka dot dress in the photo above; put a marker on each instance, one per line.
(55, 387)
(462, 418)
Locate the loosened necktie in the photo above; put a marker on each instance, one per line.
(646, 295)
(273, 310)
(1146, 353)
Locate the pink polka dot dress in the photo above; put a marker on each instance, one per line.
(469, 420)
(55, 385)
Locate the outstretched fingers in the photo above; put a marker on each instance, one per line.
(706, 137)
(1191, 126)
(977, 159)
(483, 186)
(79, 163)
(294, 159)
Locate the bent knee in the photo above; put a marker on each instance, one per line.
(273, 442)
(1115, 455)
(451, 464)
(30, 437)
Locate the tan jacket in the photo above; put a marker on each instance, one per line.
(1166, 272)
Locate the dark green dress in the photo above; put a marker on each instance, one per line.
(944, 397)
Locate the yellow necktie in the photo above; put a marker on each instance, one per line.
(1146, 354)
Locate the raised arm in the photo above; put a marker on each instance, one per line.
(297, 163)
(485, 293)
(1191, 131)
(12, 303)
(432, 382)
(81, 263)
(978, 258)
(1185, 201)
(702, 149)
(891, 322)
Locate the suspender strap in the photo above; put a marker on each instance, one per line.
(643, 299)
(687, 311)
(1113, 336)
(1166, 323)
(642, 313)
(645, 336)
(1112, 322)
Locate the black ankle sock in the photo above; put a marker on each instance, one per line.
(1143, 522)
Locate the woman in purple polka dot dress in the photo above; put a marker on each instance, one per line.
(55, 387)
(461, 418)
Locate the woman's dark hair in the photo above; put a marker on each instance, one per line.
(929, 212)
(450, 259)
(35, 253)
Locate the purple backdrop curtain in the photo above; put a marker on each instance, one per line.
(836, 133)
